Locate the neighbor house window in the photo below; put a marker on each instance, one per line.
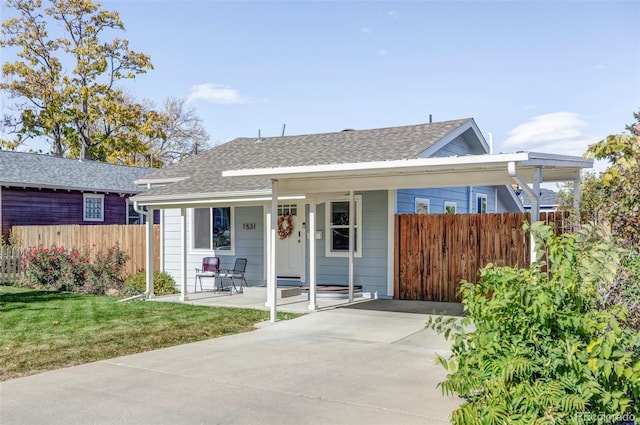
(132, 216)
(481, 203)
(337, 221)
(212, 229)
(422, 206)
(450, 207)
(93, 207)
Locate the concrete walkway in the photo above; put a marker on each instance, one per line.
(338, 366)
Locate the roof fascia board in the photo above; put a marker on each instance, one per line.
(470, 123)
(160, 181)
(68, 188)
(204, 203)
(425, 165)
(403, 165)
(203, 196)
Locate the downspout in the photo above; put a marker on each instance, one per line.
(149, 251)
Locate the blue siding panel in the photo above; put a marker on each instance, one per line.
(370, 270)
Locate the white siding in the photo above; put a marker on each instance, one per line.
(248, 245)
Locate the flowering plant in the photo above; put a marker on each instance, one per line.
(59, 268)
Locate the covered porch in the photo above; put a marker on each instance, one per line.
(314, 185)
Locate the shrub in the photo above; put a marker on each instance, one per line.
(61, 269)
(106, 271)
(55, 268)
(163, 284)
(536, 347)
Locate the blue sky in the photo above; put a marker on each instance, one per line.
(540, 76)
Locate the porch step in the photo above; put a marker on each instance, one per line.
(261, 291)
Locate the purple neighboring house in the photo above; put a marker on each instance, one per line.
(47, 190)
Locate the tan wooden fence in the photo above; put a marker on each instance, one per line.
(11, 269)
(93, 239)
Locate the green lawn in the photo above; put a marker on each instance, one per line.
(44, 330)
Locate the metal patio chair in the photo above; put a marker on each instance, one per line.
(237, 273)
(210, 268)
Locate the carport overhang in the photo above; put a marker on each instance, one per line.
(524, 169)
(470, 170)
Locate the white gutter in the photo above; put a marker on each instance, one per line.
(150, 182)
(413, 165)
(204, 202)
(401, 165)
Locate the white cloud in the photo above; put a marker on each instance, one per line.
(365, 30)
(382, 52)
(215, 93)
(558, 133)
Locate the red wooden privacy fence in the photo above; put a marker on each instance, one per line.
(434, 252)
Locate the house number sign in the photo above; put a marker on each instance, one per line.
(248, 226)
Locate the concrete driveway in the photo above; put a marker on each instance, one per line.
(339, 366)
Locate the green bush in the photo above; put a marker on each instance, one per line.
(163, 284)
(537, 346)
(58, 268)
(106, 271)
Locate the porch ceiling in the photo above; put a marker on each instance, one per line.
(471, 170)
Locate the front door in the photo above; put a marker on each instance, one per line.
(289, 242)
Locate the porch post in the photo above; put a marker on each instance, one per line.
(183, 255)
(535, 201)
(149, 260)
(312, 255)
(535, 208)
(351, 243)
(272, 282)
(268, 253)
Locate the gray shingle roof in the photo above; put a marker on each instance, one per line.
(23, 169)
(203, 172)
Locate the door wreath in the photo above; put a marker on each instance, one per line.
(285, 230)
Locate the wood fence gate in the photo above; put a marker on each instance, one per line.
(434, 252)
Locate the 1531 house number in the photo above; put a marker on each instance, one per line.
(248, 226)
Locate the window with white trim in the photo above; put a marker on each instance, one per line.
(213, 230)
(92, 207)
(450, 207)
(422, 206)
(337, 224)
(481, 203)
